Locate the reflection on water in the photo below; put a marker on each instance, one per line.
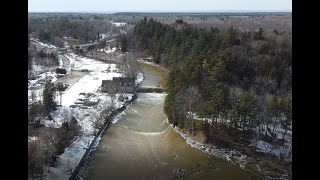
(142, 145)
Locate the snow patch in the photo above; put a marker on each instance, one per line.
(60, 63)
(118, 24)
(43, 79)
(108, 50)
(139, 78)
(32, 138)
(70, 158)
(116, 118)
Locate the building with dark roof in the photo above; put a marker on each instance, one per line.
(118, 85)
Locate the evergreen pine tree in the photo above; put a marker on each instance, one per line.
(49, 97)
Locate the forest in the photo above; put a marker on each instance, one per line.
(229, 81)
(53, 29)
(240, 79)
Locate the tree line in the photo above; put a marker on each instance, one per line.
(241, 79)
(52, 29)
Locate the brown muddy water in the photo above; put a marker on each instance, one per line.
(153, 76)
(142, 145)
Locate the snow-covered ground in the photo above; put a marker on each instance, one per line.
(37, 69)
(42, 73)
(209, 120)
(147, 61)
(102, 36)
(72, 155)
(71, 59)
(60, 63)
(140, 78)
(35, 95)
(284, 150)
(42, 79)
(32, 138)
(83, 63)
(118, 117)
(89, 83)
(49, 46)
(108, 50)
(87, 88)
(111, 40)
(107, 35)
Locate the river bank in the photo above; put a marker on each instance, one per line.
(232, 156)
(96, 141)
(259, 164)
(87, 105)
(261, 167)
(142, 145)
(145, 61)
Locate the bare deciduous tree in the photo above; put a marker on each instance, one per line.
(193, 96)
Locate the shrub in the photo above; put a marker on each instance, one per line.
(65, 135)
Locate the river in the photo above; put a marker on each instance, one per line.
(142, 145)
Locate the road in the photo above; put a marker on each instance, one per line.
(39, 46)
(65, 62)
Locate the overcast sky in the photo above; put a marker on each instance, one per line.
(157, 5)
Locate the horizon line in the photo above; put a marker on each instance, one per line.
(160, 11)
